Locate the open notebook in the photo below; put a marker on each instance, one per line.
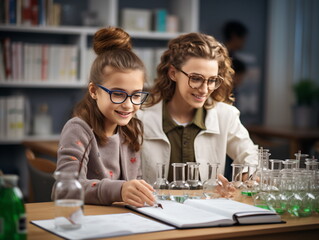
(104, 226)
(209, 213)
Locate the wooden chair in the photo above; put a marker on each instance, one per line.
(41, 177)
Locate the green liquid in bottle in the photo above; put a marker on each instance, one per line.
(263, 206)
(12, 211)
(280, 211)
(178, 198)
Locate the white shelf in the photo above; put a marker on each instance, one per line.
(23, 84)
(65, 30)
(89, 31)
(53, 137)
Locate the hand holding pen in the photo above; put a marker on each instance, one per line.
(137, 193)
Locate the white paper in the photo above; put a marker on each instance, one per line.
(185, 216)
(109, 225)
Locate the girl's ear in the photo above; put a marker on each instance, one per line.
(92, 90)
(172, 73)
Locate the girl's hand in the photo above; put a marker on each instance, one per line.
(137, 193)
(226, 189)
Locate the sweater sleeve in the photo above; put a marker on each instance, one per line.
(76, 136)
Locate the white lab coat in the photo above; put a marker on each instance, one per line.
(224, 135)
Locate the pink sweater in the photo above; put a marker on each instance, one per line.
(105, 168)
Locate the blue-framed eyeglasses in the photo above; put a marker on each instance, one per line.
(119, 96)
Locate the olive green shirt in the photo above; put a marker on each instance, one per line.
(182, 137)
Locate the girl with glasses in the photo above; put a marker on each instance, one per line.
(103, 139)
(189, 116)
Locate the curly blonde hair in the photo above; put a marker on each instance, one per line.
(180, 50)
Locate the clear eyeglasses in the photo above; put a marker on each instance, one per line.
(196, 80)
(119, 96)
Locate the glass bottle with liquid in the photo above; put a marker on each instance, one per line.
(211, 185)
(12, 210)
(178, 188)
(161, 184)
(195, 185)
(69, 201)
(251, 184)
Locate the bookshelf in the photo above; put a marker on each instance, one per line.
(37, 89)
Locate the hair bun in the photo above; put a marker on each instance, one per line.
(111, 38)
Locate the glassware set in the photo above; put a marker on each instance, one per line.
(181, 188)
(285, 187)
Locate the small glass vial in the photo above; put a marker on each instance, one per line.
(195, 185)
(69, 201)
(179, 188)
(211, 185)
(161, 185)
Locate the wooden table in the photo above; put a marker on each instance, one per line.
(297, 137)
(295, 228)
(44, 147)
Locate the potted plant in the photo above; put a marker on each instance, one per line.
(304, 110)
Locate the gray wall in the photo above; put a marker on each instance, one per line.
(253, 14)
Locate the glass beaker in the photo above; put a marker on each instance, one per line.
(311, 164)
(275, 200)
(261, 197)
(161, 184)
(251, 184)
(290, 165)
(275, 164)
(195, 185)
(237, 174)
(300, 158)
(178, 188)
(263, 159)
(69, 201)
(211, 185)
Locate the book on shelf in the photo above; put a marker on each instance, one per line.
(35, 62)
(136, 19)
(13, 116)
(2, 67)
(209, 213)
(160, 20)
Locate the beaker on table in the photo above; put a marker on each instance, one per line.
(178, 188)
(195, 185)
(211, 186)
(161, 184)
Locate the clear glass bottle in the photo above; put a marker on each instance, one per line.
(69, 200)
(178, 188)
(12, 211)
(276, 201)
(211, 185)
(196, 186)
(261, 196)
(161, 184)
(42, 121)
(251, 184)
(237, 174)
